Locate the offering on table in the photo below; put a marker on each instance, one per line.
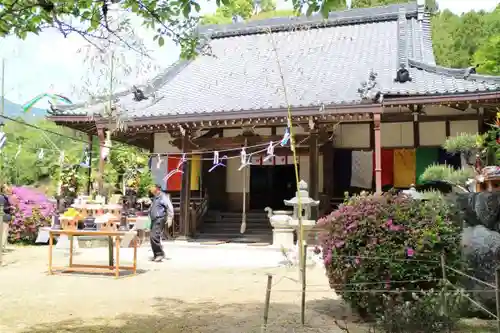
(71, 212)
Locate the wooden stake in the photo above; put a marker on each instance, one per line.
(445, 282)
(267, 302)
(497, 293)
(303, 280)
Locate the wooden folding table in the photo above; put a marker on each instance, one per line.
(113, 265)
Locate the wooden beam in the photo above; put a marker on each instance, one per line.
(235, 142)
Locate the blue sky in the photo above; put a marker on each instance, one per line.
(51, 63)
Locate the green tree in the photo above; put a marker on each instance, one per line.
(488, 56)
(247, 10)
(99, 20)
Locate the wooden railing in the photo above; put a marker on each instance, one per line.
(198, 210)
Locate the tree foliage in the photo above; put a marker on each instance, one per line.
(23, 164)
(246, 10)
(467, 40)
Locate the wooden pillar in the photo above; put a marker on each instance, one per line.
(314, 168)
(480, 121)
(89, 172)
(416, 127)
(377, 152)
(185, 213)
(328, 169)
(152, 143)
(100, 180)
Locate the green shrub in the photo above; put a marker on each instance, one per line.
(373, 241)
(423, 315)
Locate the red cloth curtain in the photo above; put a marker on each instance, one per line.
(387, 166)
(174, 183)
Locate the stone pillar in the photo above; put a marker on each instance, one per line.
(378, 153)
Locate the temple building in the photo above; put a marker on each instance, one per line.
(370, 110)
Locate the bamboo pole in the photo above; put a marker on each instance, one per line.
(267, 302)
(303, 281)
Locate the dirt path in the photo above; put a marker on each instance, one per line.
(166, 300)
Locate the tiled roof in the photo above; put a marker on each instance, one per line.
(323, 62)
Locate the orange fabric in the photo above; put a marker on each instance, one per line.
(174, 183)
(404, 167)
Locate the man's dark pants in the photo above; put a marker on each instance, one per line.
(155, 237)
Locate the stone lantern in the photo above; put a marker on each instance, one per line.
(282, 231)
(305, 215)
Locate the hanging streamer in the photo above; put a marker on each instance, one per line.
(61, 158)
(40, 154)
(86, 158)
(3, 139)
(158, 161)
(17, 152)
(105, 149)
(54, 97)
(217, 161)
(270, 152)
(286, 137)
(245, 159)
(178, 169)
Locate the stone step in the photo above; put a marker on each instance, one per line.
(237, 221)
(235, 214)
(234, 226)
(239, 238)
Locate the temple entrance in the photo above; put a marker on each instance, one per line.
(270, 185)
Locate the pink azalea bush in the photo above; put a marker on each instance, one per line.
(373, 242)
(31, 210)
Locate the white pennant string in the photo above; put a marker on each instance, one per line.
(286, 137)
(270, 152)
(106, 148)
(18, 152)
(158, 161)
(3, 139)
(245, 160)
(61, 157)
(86, 158)
(217, 161)
(216, 157)
(40, 154)
(178, 169)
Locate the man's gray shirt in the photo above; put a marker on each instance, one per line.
(161, 207)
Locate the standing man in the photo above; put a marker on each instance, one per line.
(161, 211)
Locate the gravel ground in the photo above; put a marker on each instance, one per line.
(165, 298)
